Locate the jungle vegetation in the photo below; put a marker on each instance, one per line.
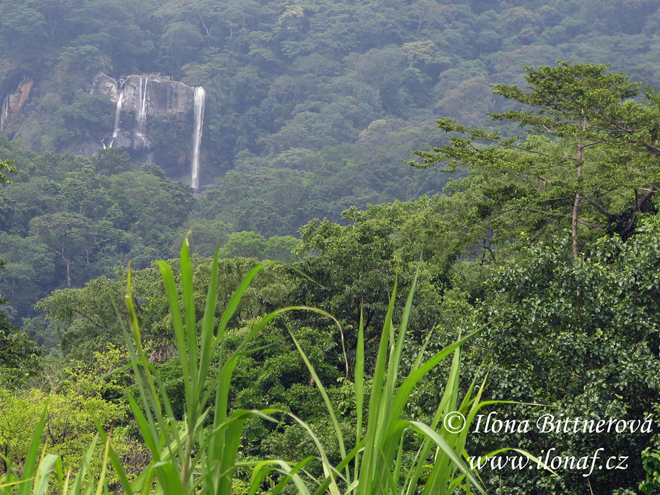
(524, 222)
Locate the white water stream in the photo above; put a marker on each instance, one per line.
(198, 101)
(142, 111)
(115, 132)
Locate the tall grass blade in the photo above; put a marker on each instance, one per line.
(29, 467)
(328, 469)
(168, 478)
(449, 452)
(49, 464)
(359, 388)
(177, 322)
(377, 412)
(236, 299)
(83, 471)
(104, 469)
(150, 440)
(114, 459)
(326, 399)
(264, 468)
(189, 310)
(208, 323)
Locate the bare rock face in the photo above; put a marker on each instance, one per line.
(106, 86)
(14, 101)
(156, 119)
(140, 99)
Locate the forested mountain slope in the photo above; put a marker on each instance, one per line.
(286, 80)
(312, 108)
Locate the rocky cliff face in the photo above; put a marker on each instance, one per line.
(155, 118)
(140, 100)
(14, 101)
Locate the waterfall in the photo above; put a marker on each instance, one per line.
(199, 99)
(142, 111)
(115, 132)
(4, 115)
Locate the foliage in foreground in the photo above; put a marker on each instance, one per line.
(200, 453)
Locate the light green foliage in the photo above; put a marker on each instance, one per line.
(19, 356)
(193, 456)
(74, 398)
(253, 245)
(651, 459)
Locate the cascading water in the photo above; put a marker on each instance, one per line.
(142, 111)
(115, 132)
(198, 101)
(4, 115)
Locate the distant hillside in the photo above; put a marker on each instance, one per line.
(289, 80)
(311, 108)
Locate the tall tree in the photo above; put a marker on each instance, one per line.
(590, 154)
(66, 235)
(16, 351)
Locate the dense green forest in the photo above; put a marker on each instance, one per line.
(311, 110)
(374, 148)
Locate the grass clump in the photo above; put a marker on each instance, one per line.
(199, 454)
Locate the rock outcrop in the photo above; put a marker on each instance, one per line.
(140, 97)
(14, 101)
(156, 118)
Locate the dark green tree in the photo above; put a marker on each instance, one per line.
(17, 352)
(590, 154)
(582, 338)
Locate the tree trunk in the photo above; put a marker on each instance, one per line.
(68, 272)
(574, 234)
(66, 261)
(578, 198)
(68, 266)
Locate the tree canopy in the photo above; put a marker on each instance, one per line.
(531, 214)
(589, 155)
